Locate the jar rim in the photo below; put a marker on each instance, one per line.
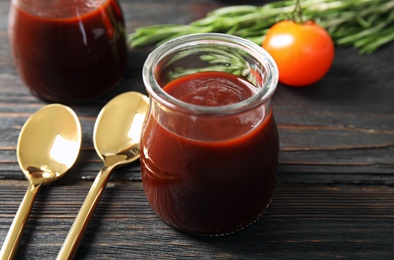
(262, 95)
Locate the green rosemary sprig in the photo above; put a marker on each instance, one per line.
(363, 24)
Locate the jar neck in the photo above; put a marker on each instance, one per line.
(210, 52)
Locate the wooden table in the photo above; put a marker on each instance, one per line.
(335, 197)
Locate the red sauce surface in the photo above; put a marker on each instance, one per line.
(209, 89)
(213, 187)
(68, 51)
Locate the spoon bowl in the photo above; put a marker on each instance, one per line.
(116, 137)
(48, 146)
(117, 131)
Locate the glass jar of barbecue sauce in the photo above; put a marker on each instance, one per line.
(68, 51)
(210, 144)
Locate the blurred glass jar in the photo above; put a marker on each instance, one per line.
(68, 51)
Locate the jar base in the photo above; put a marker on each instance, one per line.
(75, 100)
(221, 234)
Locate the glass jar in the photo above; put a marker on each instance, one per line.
(209, 168)
(68, 51)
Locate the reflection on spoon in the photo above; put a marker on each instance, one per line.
(117, 141)
(48, 146)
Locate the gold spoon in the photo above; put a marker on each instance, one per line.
(116, 134)
(48, 146)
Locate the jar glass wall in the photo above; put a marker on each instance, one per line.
(209, 168)
(68, 52)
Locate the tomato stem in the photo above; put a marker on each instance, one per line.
(297, 14)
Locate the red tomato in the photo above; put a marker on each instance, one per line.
(303, 52)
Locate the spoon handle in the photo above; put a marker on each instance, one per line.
(18, 224)
(86, 212)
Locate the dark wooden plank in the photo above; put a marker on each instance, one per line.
(312, 222)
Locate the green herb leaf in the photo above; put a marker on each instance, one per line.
(364, 24)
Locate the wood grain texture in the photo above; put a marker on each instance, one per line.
(335, 194)
(302, 222)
